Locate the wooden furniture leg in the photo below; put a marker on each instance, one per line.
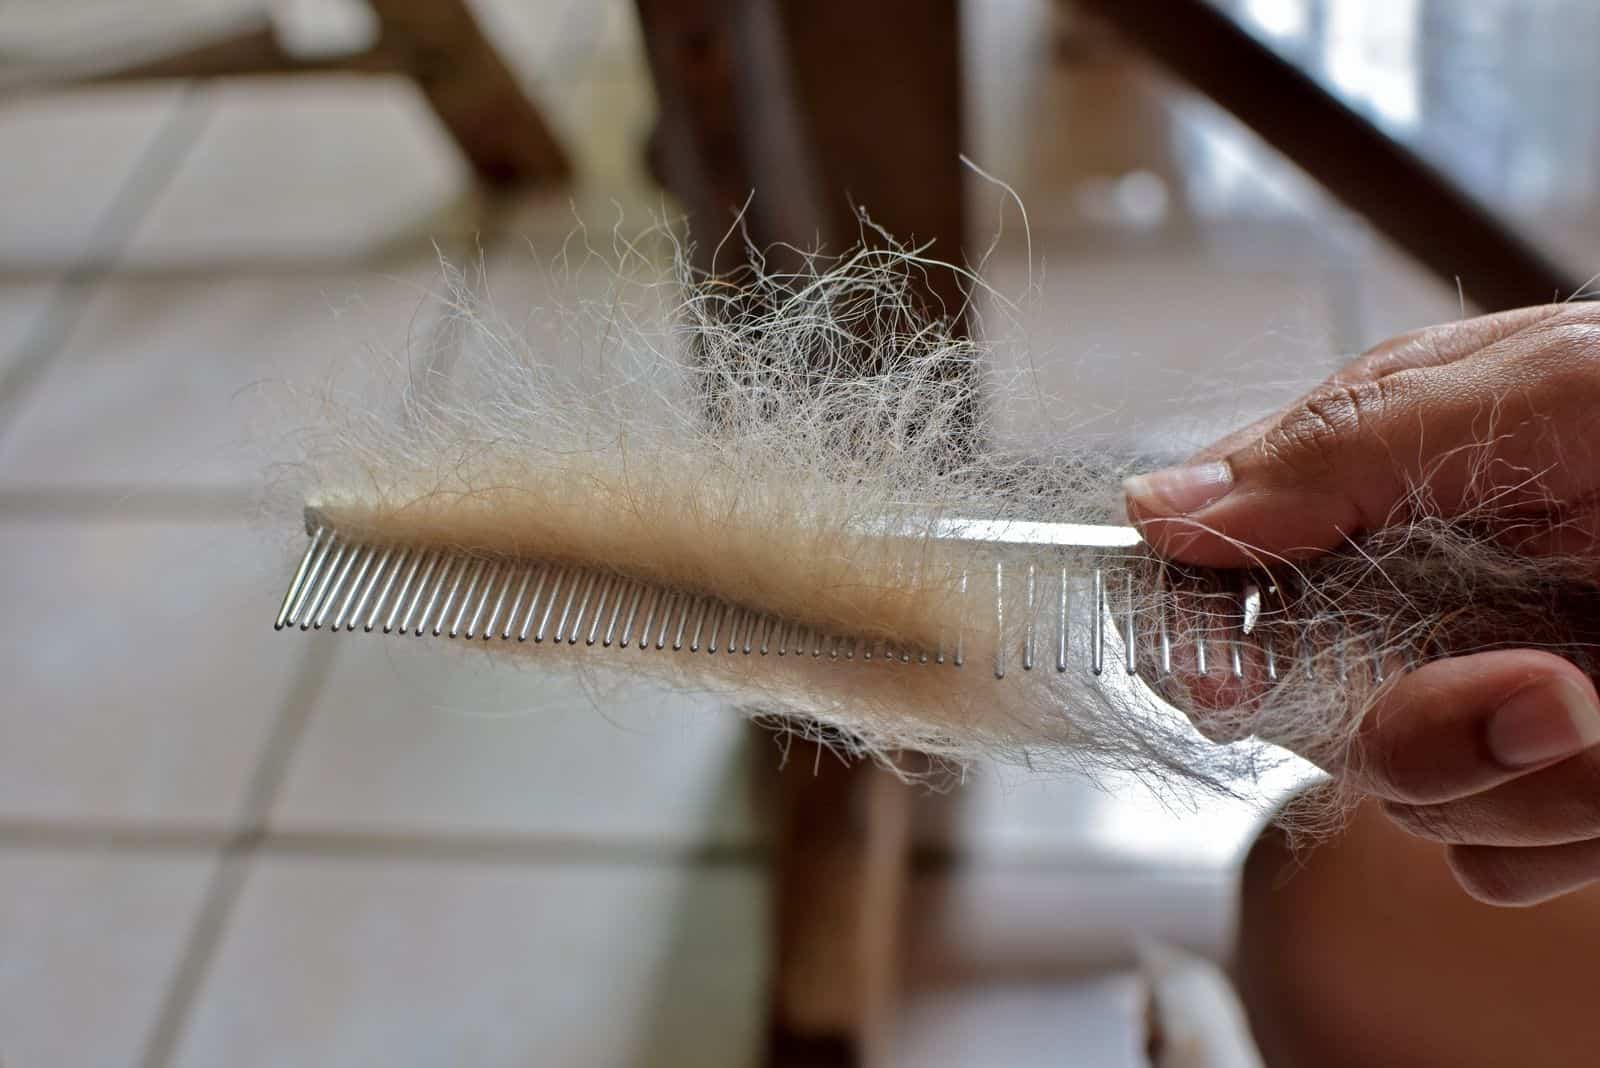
(436, 43)
(787, 115)
(1411, 202)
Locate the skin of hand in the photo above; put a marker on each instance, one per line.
(1494, 753)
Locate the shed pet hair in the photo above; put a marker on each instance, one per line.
(746, 435)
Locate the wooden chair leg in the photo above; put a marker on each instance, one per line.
(472, 90)
(794, 112)
(843, 848)
(438, 44)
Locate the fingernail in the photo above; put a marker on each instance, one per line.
(1180, 490)
(1544, 722)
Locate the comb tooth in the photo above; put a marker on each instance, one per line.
(905, 656)
(960, 657)
(816, 641)
(515, 606)
(472, 576)
(1272, 658)
(867, 649)
(1235, 659)
(632, 613)
(292, 594)
(633, 609)
(699, 624)
(527, 570)
(1027, 645)
(685, 605)
(314, 606)
(999, 621)
(1166, 634)
(1061, 623)
(833, 647)
(378, 572)
(623, 586)
(310, 583)
(363, 562)
(314, 590)
(600, 609)
(783, 637)
(428, 589)
(1200, 652)
(491, 576)
(672, 602)
(766, 634)
(1097, 626)
(751, 619)
(656, 597)
(400, 596)
(428, 562)
(583, 608)
(340, 582)
(854, 648)
(508, 579)
(431, 574)
(1130, 636)
(717, 611)
(550, 605)
(544, 571)
(735, 621)
(448, 584)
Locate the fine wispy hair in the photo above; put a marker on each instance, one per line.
(751, 435)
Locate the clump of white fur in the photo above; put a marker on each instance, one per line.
(741, 436)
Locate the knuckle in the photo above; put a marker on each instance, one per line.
(1491, 875)
(1310, 437)
(1424, 821)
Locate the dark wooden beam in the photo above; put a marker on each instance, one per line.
(1406, 198)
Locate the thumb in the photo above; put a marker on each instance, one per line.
(1324, 470)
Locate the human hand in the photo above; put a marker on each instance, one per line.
(1493, 753)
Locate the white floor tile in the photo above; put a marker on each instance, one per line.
(995, 923)
(346, 962)
(90, 945)
(66, 155)
(141, 671)
(306, 170)
(208, 383)
(416, 734)
(1086, 1023)
(1011, 815)
(22, 306)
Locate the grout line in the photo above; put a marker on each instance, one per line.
(228, 880)
(512, 848)
(146, 180)
(128, 502)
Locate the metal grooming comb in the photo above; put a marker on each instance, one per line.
(1064, 590)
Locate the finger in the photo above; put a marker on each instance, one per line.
(1505, 426)
(1457, 727)
(1574, 531)
(1430, 346)
(1557, 805)
(1498, 875)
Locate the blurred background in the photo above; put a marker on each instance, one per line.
(224, 845)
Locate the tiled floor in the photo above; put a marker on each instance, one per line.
(223, 845)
